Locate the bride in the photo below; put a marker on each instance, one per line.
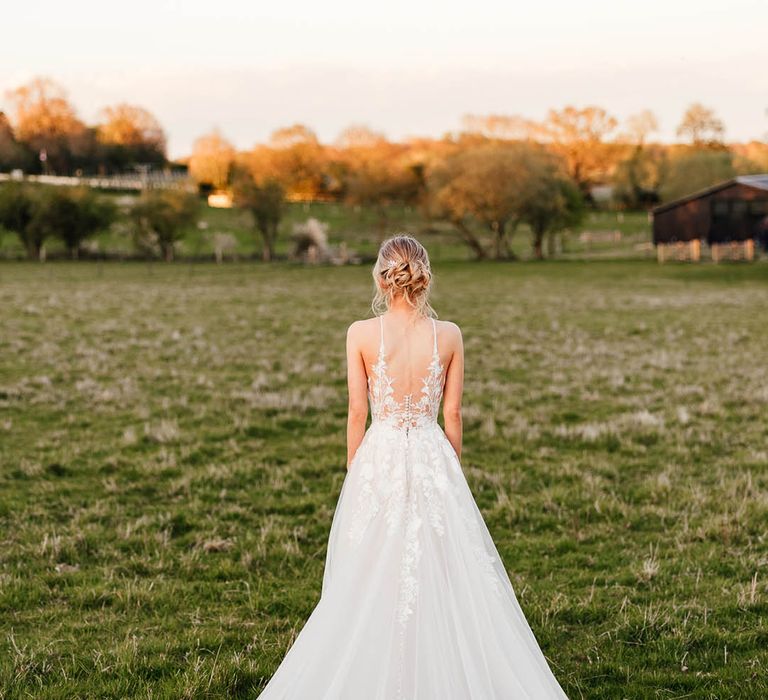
(416, 603)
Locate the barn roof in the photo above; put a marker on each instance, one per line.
(758, 182)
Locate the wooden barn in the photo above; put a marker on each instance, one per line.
(731, 218)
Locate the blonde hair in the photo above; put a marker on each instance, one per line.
(402, 268)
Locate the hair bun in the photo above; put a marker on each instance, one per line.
(402, 268)
(401, 274)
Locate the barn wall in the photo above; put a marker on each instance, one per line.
(693, 219)
(684, 222)
(742, 230)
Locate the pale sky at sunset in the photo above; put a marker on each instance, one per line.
(404, 68)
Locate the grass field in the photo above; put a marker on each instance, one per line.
(172, 445)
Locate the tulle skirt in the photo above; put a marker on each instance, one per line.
(416, 603)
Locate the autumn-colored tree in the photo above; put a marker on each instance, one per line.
(492, 184)
(265, 201)
(161, 218)
(12, 153)
(478, 183)
(130, 134)
(578, 136)
(506, 127)
(359, 136)
(750, 158)
(377, 174)
(46, 121)
(211, 160)
(294, 135)
(296, 160)
(702, 126)
(379, 184)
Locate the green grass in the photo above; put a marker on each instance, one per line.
(172, 445)
(360, 228)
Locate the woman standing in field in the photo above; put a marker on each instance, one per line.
(416, 603)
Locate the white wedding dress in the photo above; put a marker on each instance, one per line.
(416, 603)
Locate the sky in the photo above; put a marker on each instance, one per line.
(406, 68)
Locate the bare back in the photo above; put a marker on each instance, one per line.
(422, 363)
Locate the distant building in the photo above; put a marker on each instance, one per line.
(220, 200)
(730, 218)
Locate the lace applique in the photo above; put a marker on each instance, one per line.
(409, 413)
(367, 502)
(402, 480)
(409, 584)
(484, 559)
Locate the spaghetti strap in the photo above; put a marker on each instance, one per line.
(434, 334)
(381, 328)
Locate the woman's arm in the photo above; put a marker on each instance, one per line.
(358, 392)
(452, 393)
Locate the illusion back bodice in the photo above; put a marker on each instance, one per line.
(400, 401)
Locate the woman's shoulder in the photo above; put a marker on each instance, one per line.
(449, 327)
(362, 328)
(363, 324)
(449, 333)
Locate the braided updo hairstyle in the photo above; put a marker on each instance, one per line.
(402, 268)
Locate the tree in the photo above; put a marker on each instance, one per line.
(296, 160)
(359, 136)
(750, 158)
(266, 203)
(295, 135)
(639, 126)
(696, 171)
(12, 153)
(549, 203)
(130, 135)
(507, 127)
(46, 122)
(161, 218)
(702, 126)
(17, 209)
(379, 175)
(71, 214)
(638, 178)
(483, 183)
(211, 160)
(578, 135)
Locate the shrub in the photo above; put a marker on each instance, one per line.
(161, 218)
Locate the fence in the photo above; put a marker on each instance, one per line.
(131, 181)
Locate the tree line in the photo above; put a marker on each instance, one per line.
(590, 144)
(497, 174)
(45, 135)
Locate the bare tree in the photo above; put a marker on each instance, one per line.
(359, 136)
(639, 126)
(702, 126)
(507, 127)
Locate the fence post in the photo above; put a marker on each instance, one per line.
(695, 250)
